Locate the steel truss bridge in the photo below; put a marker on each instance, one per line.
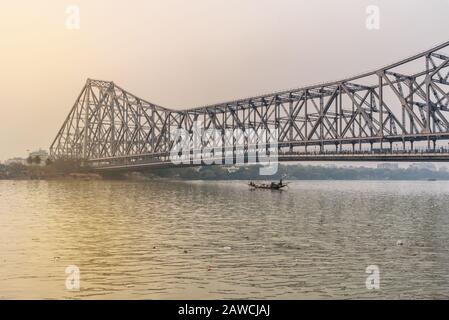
(396, 113)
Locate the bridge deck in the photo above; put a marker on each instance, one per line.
(134, 164)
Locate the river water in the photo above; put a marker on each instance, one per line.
(207, 240)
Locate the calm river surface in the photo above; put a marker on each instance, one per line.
(206, 240)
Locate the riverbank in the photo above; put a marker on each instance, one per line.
(302, 172)
(70, 170)
(54, 171)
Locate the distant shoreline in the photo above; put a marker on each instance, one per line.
(298, 172)
(266, 178)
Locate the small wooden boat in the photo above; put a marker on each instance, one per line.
(271, 186)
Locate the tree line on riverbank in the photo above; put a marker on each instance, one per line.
(64, 168)
(301, 172)
(50, 170)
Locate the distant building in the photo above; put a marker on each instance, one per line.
(423, 165)
(388, 166)
(16, 161)
(41, 154)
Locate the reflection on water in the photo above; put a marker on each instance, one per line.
(165, 239)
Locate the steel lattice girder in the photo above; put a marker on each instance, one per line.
(405, 101)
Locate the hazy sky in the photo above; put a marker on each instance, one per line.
(185, 53)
